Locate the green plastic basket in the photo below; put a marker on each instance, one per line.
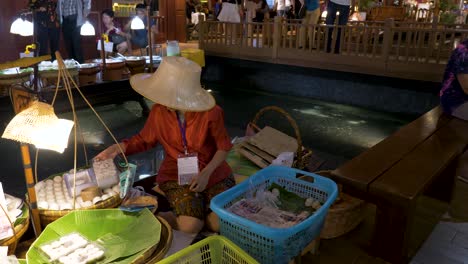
(213, 249)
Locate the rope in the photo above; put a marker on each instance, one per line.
(68, 81)
(100, 119)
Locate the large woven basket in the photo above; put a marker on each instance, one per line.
(18, 232)
(164, 245)
(303, 155)
(49, 216)
(344, 215)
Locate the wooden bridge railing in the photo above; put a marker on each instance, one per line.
(396, 49)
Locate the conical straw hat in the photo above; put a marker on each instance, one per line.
(176, 84)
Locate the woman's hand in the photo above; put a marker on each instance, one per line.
(200, 181)
(110, 152)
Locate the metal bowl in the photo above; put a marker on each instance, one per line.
(134, 58)
(109, 61)
(88, 65)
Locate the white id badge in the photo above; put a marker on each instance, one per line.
(187, 166)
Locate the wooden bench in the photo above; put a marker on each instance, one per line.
(396, 171)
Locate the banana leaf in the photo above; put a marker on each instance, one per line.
(124, 236)
(241, 165)
(23, 217)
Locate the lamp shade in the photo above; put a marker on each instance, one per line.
(27, 28)
(16, 26)
(137, 23)
(38, 125)
(324, 14)
(87, 29)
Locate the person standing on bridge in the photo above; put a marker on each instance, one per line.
(334, 8)
(311, 18)
(454, 90)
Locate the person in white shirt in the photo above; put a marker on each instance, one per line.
(283, 7)
(334, 6)
(250, 8)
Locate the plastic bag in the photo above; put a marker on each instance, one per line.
(284, 159)
(127, 177)
(137, 199)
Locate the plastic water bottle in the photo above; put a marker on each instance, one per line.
(173, 48)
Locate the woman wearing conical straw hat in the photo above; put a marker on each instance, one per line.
(190, 126)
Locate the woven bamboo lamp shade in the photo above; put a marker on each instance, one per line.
(38, 125)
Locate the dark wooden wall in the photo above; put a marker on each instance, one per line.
(174, 12)
(11, 45)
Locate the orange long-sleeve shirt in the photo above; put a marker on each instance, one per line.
(205, 133)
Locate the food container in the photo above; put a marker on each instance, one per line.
(90, 193)
(12, 76)
(84, 178)
(156, 62)
(135, 64)
(88, 72)
(114, 70)
(71, 248)
(48, 71)
(105, 173)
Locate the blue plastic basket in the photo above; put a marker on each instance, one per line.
(267, 244)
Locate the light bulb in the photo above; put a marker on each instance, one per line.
(16, 26)
(27, 29)
(137, 23)
(87, 29)
(324, 14)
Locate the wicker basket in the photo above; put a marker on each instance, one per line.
(303, 155)
(344, 215)
(164, 244)
(6, 81)
(48, 216)
(18, 232)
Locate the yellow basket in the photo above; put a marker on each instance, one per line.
(214, 249)
(196, 55)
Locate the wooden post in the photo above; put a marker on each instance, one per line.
(276, 36)
(201, 33)
(30, 183)
(150, 37)
(387, 39)
(21, 100)
(103, 54)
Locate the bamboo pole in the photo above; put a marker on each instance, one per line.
(150, 35)
(28, 173)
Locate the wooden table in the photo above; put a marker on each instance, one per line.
(100, 93)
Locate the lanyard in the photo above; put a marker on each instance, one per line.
(183, 129)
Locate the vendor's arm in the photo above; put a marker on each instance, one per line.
(223, 145)
(200, 182)
(140, 142)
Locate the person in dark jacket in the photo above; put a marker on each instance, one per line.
(47, 26)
